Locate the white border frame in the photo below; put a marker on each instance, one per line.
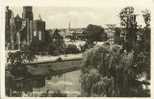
(78, 3)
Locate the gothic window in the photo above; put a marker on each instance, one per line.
(35, 33)
(40, 35)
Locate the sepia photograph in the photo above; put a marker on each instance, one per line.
(78, 51)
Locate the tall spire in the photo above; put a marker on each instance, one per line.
(69, 25)
(40, 17)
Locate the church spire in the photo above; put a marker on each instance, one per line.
(69, 25)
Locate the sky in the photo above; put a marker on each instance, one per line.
(81, 13)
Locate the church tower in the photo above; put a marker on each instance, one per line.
(27, 17)
(27, 12)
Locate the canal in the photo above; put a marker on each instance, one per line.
(68, 83)
(60, 76)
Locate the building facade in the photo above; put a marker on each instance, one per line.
(39, 29)
(8, 14)
(27, 17)
(19, 31)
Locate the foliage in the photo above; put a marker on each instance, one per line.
(38, 46)
(88, 45)
(57, 93)
(17, 60)
(117, 39)
(54, 49)
(147, 17)
(53, 45)
(147, 29)
(107, 71)
(72, 49)
(95, 33)
(16, 70)
(57, 45)
(20, 57)
(128, 21)
(126, 16)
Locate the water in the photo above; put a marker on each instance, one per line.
(68, 83)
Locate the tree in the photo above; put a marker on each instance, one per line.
(17, 70)
(107, 71)
(17, 60)
(37, 46)
(126, 16)
(147, 17)
(57, 45)
(94, 33)
(128, 21)
(147, 40)
(147, 29)
(117, 39)
(72, 49)
(87, 45)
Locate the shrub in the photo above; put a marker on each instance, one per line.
(72, 49)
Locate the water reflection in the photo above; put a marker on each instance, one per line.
(68, 83)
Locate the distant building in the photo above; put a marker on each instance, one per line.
(57, 35)
(76, 34)
(39, 29)
(109, 32)
(58, 39)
